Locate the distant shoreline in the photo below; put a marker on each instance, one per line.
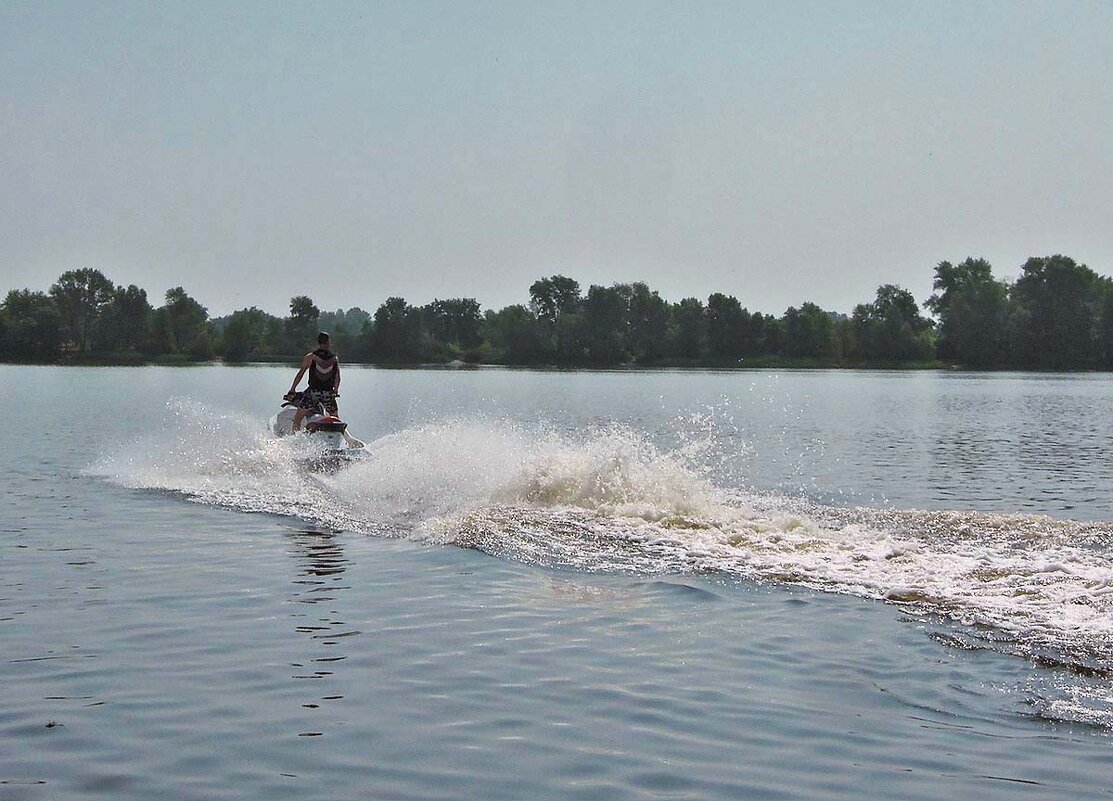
(749, 365)
(1057, 316)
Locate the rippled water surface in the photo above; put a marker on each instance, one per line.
(559, 585)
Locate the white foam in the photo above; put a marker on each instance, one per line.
(609, 499)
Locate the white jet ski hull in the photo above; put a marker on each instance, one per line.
(327, 432)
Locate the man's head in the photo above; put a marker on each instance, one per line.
(322, 339)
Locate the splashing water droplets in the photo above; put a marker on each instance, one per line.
(609, 499)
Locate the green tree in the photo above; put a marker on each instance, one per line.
(204, 346)
(605, 314)
(398, 333)
(728, 325)
(688, 329)
(972, 307)
(455, 321)
(846, 341)
(810, 333)
(34, 326)
(251, 334)
(80, 295)
(179, 325)
(1055, 306)
(891, 329)
(569, 341)
(556, 302)
(124, 321)
(301, 327)
(516, 335)
(549, 298)
(647, 328)
(762, 334)
(350, 322)
(346, 328)
(238, 336)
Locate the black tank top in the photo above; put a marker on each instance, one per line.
(322, 372)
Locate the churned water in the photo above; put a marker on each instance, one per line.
(559, 585)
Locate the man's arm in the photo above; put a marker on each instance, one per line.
(304, 366)
(336, 379)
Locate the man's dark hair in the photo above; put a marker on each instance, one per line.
(322, 338)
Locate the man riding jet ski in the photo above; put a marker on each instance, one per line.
(324, 381)
(316, 405)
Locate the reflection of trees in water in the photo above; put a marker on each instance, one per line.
(321, 554)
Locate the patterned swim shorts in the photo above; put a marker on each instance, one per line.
(312, 398)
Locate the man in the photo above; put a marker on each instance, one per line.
(324, 381)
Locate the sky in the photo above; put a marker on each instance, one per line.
(352, 151)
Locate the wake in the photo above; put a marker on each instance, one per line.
(608, 499)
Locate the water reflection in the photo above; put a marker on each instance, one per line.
(321, 554)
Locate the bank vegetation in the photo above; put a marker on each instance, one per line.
(1057, 315)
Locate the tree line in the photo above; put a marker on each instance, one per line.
(1057, 314)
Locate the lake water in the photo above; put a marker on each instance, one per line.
(550, 585)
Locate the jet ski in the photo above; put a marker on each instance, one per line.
(332, 445)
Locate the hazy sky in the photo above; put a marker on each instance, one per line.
(351, 151)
